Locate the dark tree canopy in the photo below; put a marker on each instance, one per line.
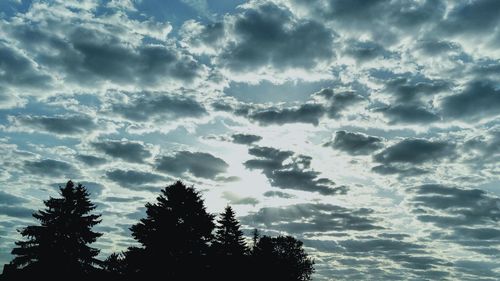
(177, 229)
(229, 239)
(283, 258)
(61, 240)
(178, 241)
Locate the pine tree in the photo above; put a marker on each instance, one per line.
(229, 238)
(60, 243)
(176, 233)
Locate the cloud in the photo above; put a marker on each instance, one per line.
(306, 113)
(245, 138)
(15, 211)
(58, 124)
(50, 168)
(279, 194)
(9, 199)
(338, 101)
(415, 151)
(156, 106)
(409, 114)
(130, 151)
(288, 43)
(89, 49)
(478, 100)
(133, 179)
(312, 217)
(405, 89)
(294, 175)
(238, 200)
(90, 160)
(363, 51)
(355, 143)
(199, 164)
(466, 207)
(472, 17)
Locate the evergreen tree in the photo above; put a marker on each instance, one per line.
(59, 245)
(176, 233)
(229, 238)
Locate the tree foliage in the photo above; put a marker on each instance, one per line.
(178, 241)
(61, 241)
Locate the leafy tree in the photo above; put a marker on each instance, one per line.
(176, 233)
(282, 258)
(229, 240)
(60, 243)
(114, 265)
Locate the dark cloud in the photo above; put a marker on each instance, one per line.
(366, 50)
(199, 164)
(287, 43)
(355, 143)
(435, 47)
(279, 194)
(83, 54)
(409, 114)
(295, 175)
(129, 151)
(90, 160)
(306, 113)
(133, 179)
(237, 200)
(123, 199)
(415, 151)
(15, 211)
(9, 199)
(146, 106)
(397, 170)
(479, 99)
(463, 207)
(19, 71)
(245, 138)
(406, 89)
(50, 168)
(312, 217)
(58, 124)
(472, 17)
(337, 102)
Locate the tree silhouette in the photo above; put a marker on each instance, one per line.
(59, 245)
(229, 248)
(229, 240)
(282, 258)
(175, 233)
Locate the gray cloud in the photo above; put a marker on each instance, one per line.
(337, 102)
(415, 151)
(295, 175)
(58, 124)
(355, 143)
(90, 160)
(279, 194)
(133, 179)
(306, 113)
(366, 50)
(409, 113)
(237, 200)
(287, 42)
(9, 199)
(199, 164)
(50, 168)
(146, 106)
(15, 211)
(245, 138)
(480, 99)
(86, 54)
(129, 151)
(19, 71)
(407, 88)
(312, 217)
(472, 17)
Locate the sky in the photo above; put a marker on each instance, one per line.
(370, 130)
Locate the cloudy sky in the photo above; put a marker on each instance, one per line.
(368, 129)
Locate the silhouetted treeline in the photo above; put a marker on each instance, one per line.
(179, 240)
